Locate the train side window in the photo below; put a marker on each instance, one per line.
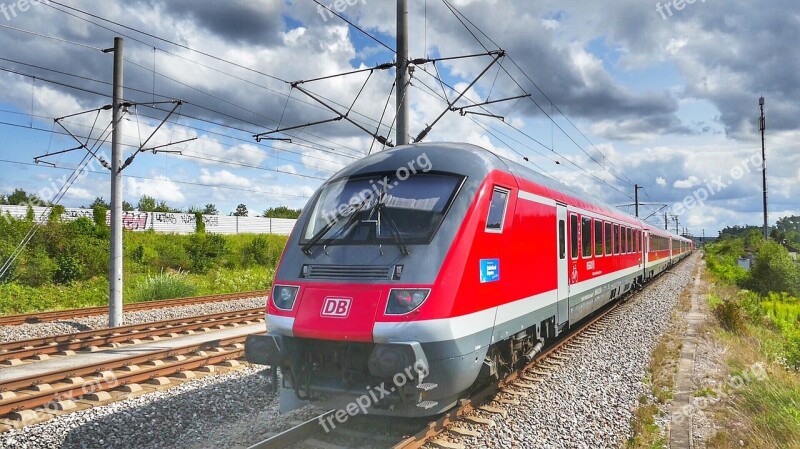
(497, 210)
(586, 237)
(617, 241)
(562, 239)
(624, 244)
(609, 240)
(631, 243)
(629, 236)
(598, 238)
(573, 235)
(628, 241)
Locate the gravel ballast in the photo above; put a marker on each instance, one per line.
(50, 328)
(588, 402)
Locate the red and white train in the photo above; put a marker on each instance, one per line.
(416, 272)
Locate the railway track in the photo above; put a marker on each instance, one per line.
(445, 431)
(516, 384)
(14, 352)
(55, 389)
(40, 317)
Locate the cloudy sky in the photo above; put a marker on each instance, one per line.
(622, 92)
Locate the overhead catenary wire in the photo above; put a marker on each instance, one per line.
(71, 86)
(307, 103)
(459, 15)
(94, 172)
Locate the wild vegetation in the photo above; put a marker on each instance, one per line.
(65, 264)
(758, 315)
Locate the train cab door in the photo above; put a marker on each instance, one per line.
(563, 264)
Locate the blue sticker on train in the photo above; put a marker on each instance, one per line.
(490, 270)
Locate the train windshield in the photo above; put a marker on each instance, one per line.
(381, 209)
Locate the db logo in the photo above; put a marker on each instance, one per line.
(336, 307)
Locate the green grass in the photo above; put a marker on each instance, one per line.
(16, 299)
(164, 286)
(66, 265)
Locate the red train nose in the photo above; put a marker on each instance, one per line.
(335, 313)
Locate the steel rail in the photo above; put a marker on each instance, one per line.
(55, 315)
(57, 343)
(33, 399)
(95, 368)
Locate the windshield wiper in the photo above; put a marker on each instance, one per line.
(328, 226)
(394, 231)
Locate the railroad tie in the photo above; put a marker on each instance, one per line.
(479, 421)
(443, 444)
(462, 431)
(494, 410)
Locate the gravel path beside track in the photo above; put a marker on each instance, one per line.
(25, 331)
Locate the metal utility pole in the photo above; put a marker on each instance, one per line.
(115, 266)
(762, 125)
(402, 72)
(636, 188)
(666, 222)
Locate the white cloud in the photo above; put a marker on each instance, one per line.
(160, 188)
(686, 183)
(79, 193)
(661, 181)
(223, 178)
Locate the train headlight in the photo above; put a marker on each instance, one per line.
(283, 296)
(404, 300)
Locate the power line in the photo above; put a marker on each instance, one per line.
(357, 27)
(95, 172)
(458, 14)
(153, 36)
(181, 46)
(162, 110)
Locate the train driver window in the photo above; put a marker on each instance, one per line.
(497, 210)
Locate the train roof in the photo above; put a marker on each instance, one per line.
(477, 162)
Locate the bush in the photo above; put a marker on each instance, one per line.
(199, 224)
(729, 311)
(774, 271)
(99, 216)
(164, 286)
(792, 349)
(68, 270)
(204, 251)
(35, 268)
(262, 250)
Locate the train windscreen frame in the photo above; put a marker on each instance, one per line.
(381, 208)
